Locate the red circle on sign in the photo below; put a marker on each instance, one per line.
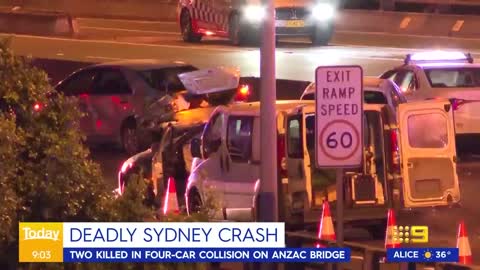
(357, 144)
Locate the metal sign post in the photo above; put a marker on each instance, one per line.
(339, 126)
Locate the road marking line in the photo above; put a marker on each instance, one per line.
(204, 48)
(108, 42)
(405, 22)
(458, 25)
(346, 56)
(129, 30)
(104, 58)
(404, 35)
(124, 20)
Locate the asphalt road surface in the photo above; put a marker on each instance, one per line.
(107, 40)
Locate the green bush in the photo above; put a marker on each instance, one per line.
(47, 174)
(10, 142)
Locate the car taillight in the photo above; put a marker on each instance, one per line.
(243, 93)
(456, 103)
(394, 151)
(282, 165)
(37, 106)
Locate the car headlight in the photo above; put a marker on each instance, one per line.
(323, 11)
(254, 13)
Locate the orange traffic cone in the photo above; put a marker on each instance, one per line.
(463, 245)
(391, 237)
(171, 203)
(325, 230)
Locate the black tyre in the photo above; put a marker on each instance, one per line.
(236, 31)
(187, 30)
(194, 202)
(129, 138)
(322, 35)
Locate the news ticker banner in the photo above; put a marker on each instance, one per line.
(164, 242)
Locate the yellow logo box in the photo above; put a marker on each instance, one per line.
(40, 242)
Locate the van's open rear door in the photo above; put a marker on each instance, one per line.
(428, 154)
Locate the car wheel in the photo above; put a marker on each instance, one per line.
(194, 203)
(235, 33)
(129, 136)
(187, 30)
(321, 35)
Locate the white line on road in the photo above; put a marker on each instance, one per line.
(125, 20)
(203, 48)
(104, 58)
(129, 30)
(108, 42)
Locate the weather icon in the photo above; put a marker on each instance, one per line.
(427, 255)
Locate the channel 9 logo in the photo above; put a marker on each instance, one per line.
(410, 234)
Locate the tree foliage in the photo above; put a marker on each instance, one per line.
(47, 173)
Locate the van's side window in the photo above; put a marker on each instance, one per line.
(294, 137)
(427, 131)
(239, 137)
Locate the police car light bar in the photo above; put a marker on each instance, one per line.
(439, 56)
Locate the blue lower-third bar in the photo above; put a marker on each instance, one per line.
(422, 255)
(206, 255)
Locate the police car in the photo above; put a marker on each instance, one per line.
(445, 74)
(241, 20)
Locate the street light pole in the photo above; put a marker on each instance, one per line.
(268, 199)
(267, 205)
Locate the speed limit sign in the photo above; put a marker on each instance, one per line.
(339, 116)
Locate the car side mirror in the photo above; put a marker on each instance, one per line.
(196, 148)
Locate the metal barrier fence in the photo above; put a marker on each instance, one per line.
(372, 257)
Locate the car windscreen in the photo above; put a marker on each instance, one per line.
(370, 97)
(165, 78)
(457, 77)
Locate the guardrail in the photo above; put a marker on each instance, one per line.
(442, 2)
(372, 257)
(37, 23)
(125, 9)
(403, 23)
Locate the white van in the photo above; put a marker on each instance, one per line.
(230, 150)
(406, 166)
